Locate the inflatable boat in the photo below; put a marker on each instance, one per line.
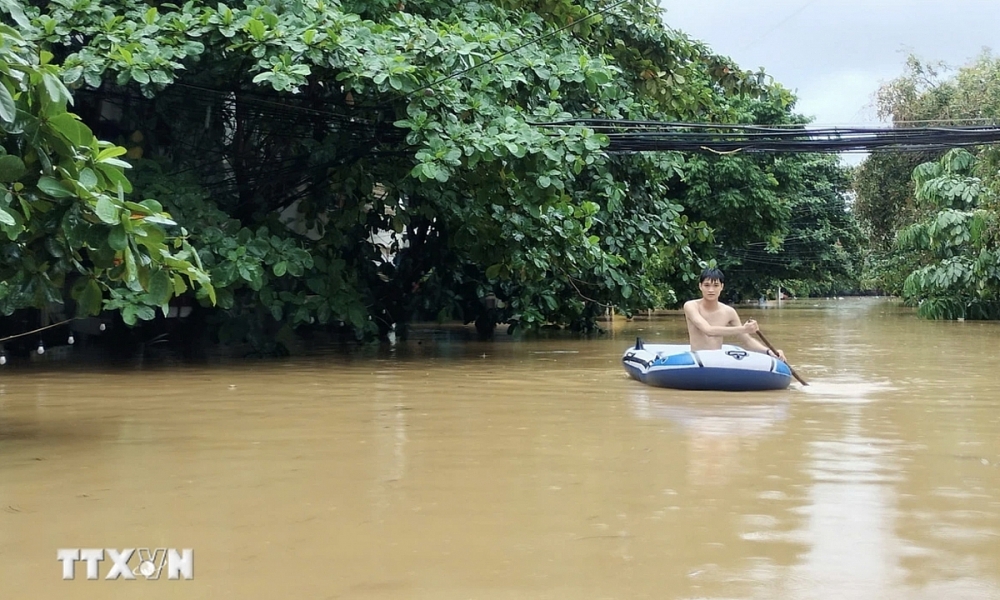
(730, 369)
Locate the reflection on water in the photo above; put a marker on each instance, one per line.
(713, 419)
(850, 515)
(847, 389)
(716, 434)
(441, 467)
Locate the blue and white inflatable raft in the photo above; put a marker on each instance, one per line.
(730, 369)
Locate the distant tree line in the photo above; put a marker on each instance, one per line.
(931, 218)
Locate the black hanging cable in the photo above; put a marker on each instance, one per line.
(718, 138)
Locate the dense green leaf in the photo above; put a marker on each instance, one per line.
(11, 168)
(71, 128)
(160, 288)
(53, 187)
(106, 210)
(118, 239)
(57, 92)
(89, 301)
(8, 110)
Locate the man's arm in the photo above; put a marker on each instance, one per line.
(751, 344)
(691, 312)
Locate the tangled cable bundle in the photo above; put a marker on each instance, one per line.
(652, 136)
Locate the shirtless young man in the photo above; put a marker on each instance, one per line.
(709, 321)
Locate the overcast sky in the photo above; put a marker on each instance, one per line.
(834, 53)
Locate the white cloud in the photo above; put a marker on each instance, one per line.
(835, 53)
(839, 98)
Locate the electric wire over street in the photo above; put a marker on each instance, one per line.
(720, 138)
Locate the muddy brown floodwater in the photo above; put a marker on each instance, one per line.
(443, 468)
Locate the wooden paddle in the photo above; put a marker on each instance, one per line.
(771, 348)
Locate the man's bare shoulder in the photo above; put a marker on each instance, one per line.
(730, 312)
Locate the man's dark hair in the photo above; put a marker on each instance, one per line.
(712, 274)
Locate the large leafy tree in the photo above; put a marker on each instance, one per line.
(398, 139)
(776, 220)
(66, 227)
(925, 94)
(817, 249)
(956, 244)
(375, 162)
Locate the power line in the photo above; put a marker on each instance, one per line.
(719, 138)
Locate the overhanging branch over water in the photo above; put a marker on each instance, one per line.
(653, 136)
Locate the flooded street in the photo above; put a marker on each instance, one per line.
(442, 468)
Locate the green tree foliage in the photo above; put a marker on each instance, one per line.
(925, 94)
(819, 251)
(884, 187)
(405, 123)
(67, 228)
(777, 220)
(373, 162)
(957, 244)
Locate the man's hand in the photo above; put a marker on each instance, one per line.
(779, 355)
(750, 327)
